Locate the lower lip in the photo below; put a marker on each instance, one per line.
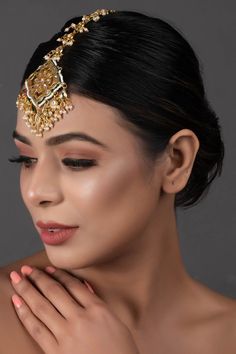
(57, 237)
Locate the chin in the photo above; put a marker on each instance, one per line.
(65, 259)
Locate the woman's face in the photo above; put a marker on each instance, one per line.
(110, 203)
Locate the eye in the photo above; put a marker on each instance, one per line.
(76, 164)
(26, 161)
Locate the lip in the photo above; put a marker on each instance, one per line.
(54, 225)
(60, 234)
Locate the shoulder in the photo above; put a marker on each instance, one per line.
(38, 259)
(223, 329)
(13, 337)
(214, 324)
(228, 327)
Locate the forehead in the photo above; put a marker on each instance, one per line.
(90, 117)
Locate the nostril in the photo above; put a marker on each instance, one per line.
(44, 202)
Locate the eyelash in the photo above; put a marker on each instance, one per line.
(74, 164)
(26, 161)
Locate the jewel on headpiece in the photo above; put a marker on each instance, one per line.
(43, 97)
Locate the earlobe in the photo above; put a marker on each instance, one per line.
(181, 153)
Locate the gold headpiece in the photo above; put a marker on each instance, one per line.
(43, 97)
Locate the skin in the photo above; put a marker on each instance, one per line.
(127, 246)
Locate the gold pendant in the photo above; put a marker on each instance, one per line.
(44, 99)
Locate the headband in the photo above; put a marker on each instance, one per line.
(43, 98)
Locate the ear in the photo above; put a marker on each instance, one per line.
(180, 155)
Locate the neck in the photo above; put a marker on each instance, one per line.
(148, 282)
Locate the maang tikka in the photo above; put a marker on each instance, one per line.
(43, 97)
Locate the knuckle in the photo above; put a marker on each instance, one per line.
(70, 283)
(27, 319)
(25, 288)
(36, 331)
(79, 321)
(79, 314)
(52, 287)
(99, 309)
(36, 275)
(25, 316)
(39, 309)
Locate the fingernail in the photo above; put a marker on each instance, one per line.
(15, 277)
(50, 269)
(25, 269)
(16, 301)
(89, 286)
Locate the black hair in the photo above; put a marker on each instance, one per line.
(145, 68)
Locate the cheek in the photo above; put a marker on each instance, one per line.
(96, 191)
(116, 201)
(23, 188)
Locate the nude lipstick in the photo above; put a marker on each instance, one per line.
(53, 233)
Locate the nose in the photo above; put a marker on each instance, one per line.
(44, 186)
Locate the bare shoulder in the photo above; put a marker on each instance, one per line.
(214, 324)
(227, 325)
(38, 259)
(13, 337)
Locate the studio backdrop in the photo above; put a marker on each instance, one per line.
(208, 230)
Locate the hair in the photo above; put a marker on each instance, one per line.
(145, 68)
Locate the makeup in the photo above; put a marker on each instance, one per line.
(53, 233)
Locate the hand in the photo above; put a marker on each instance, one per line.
(64, 317)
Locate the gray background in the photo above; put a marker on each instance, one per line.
(207, 231)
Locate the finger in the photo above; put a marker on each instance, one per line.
(51, 270)
(39, 305)
(54, 291)
(75, 287)
(38, 331)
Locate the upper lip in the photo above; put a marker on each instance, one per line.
(54, 225)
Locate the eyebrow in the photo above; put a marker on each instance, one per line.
(60, 139)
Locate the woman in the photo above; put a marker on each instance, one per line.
(102, 185)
